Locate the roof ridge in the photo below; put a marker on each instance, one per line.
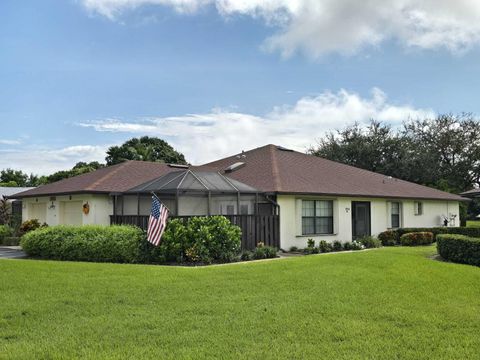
(275, 172)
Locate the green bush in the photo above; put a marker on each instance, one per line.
(293, 249)
(246, 256)
(84, 243)
(324, 246)
(370, 242)
(311, 250)
(264, 252)
(388, 238)
(459, 248)
(337, 246)
(416, 238)
(5, 231)
(198, 240)
(310, 243)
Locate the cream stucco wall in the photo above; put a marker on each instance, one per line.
(291, 217)
(101, 207)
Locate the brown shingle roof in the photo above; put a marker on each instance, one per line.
(116, 178)
(274, 169)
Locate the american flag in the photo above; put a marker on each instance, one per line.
(157, 221)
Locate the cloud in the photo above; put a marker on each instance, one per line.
(45, 161)
(206, 137)
(9, 142)
(319, 27)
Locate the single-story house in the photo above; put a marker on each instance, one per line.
(311, 197)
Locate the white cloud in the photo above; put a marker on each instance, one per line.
(45, 161)
(206, 137)
(9, 142)
(319, 27)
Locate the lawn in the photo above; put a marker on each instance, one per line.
(473, 223)
(389, 303)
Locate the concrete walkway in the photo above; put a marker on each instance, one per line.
(11, 252)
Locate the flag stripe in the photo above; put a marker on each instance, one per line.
(157, 221)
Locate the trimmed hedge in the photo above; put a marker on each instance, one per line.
(459, 248)
(416, 238)
(118, 243)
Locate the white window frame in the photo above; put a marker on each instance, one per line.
(400, 214)
(418, 208)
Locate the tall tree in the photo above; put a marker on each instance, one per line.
(144, 149)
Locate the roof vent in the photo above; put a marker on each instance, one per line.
(242, 155)
(178, 166)
(281, 148)
(234, 167)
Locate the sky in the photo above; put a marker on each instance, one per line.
(214, 77)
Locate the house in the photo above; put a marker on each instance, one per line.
(308, 196)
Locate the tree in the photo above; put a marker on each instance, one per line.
(443, 152)
(79, 169)
(144, 149)
(12, 178)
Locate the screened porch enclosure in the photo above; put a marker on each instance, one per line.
(190, 193)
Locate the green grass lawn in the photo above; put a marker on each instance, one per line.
(474, 223)
(390, 303)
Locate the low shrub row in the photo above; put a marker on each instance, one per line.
(392, 237)
(366, 242)
(5, 232)
(416, 238)
(260, 252)
(459, 248)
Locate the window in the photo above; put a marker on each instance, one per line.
(317, 217)
(395, 214)
(418, 206)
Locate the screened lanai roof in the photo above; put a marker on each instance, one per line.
(193, 181)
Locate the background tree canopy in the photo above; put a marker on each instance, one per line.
(443, 153)
(144, 149)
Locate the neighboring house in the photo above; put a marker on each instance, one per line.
(15, 204)
(312, 197)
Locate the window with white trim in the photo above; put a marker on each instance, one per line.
(317, 217)
(418, 207)
(394, 214)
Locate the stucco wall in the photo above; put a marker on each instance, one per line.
(101, 207)
(291, 217)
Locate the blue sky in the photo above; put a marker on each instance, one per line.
(214, 77)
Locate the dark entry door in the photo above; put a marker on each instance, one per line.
(360, 219)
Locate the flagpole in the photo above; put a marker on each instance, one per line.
(153, 193)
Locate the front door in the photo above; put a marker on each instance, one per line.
(360, 219)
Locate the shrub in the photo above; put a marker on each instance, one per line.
(264, 252)
(416, 238)
(459, 248)
(84, 243)
(337, 246)
(293, 249)
(324, 246)
(310, 243)
(5, 231)
(198, 240)
(357, 245)
(388, 238)
(347, 245)
(30, 225)
(311, 250)
(246, 256)
(370, 242)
